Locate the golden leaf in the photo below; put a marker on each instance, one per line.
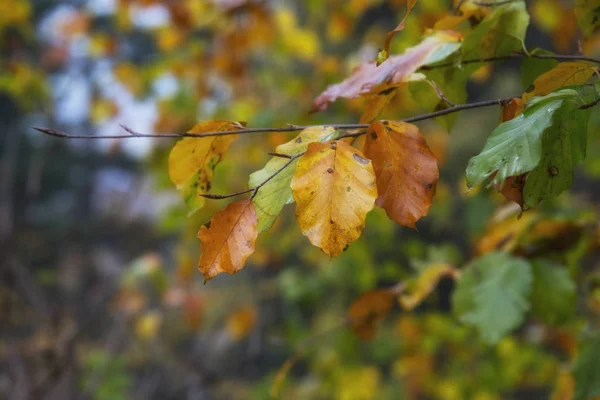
(564, 74)
(192, 160)
(406, 170)
(229, 241)
(334, 188)
(417, 290)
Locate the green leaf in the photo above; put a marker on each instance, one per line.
(271, 198)
(563, 147)
(588, 15)
(553, 294)
(515, 146)
(531, 67)
(587, 370)
(492, 294)
(499, 34)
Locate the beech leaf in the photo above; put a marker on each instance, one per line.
(419, 288)
(492, 294)
(192, 160)
(384, 53)
(368, 78)
(334, 188)
(229, 240)
(275, 194)
(406, 170)
(564, 74)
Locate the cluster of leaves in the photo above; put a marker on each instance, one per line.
(335, 176)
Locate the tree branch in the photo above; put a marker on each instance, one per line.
(521, 54)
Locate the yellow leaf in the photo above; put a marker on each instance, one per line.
(334, 189)
(229, 241)
(564, 74)
(417, 290)
(193, 160)
(241, 322)
(147, 326)
(406, 170)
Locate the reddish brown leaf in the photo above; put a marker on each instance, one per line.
(229, 241)
(368, 78)
(368, 310)
(406, 170)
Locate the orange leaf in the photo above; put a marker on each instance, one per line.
(406, 170)
(229, 241)
(384, 54)
(368, 310)
(334, 188)
(368, 78)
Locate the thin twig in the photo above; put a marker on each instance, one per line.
(590, 105)
(279, 155)
(284, 166)
(495, 4)
(441, 94)
(255, 189)
(520, 54)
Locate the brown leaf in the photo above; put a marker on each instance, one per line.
(368, 78)
(384, 53)
(229, 241)
(406, 170)
(512, 109)
(369, 310)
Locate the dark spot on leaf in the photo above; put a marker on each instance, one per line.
(298, 139)
(386, 123)
(429, 186)
(348, 189)
(330, 170)
(530, 88)
(373, 135)
(312, 192)
(331, 221)
(346, 247)
(553, 171)
(360, 159)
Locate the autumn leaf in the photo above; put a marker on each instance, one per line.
(384, 53)
(241, 322)
(368, 78)
(418, 289)
(564, 74)
(275, 194)
(192, 160)
(369, 310)
(334, 188)
(588, 15)
(229, 240)
(406, 170)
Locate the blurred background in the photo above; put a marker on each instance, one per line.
(100, 297)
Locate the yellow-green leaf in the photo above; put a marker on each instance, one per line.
(276, 193)
(334, 188)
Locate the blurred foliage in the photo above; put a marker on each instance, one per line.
(103, 302)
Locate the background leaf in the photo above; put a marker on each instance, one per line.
(553, 293)
(492, 294)
(587, 370)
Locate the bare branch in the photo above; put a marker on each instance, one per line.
(279, 155)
